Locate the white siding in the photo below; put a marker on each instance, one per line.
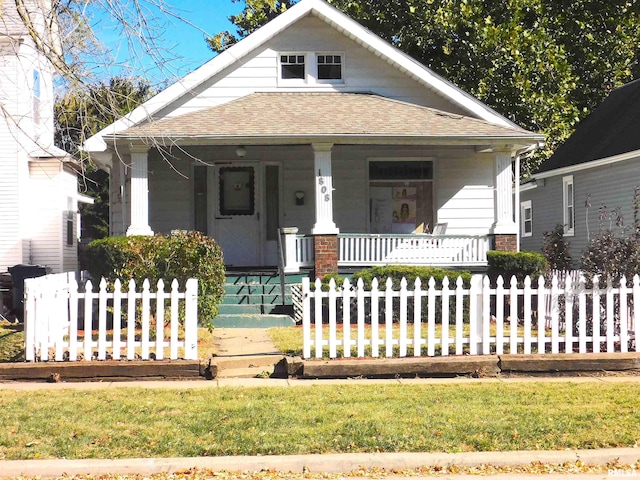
(363, 72)
(464, 194)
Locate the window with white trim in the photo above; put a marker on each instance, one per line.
(292, 66)
(526, 219)
(329, 67)
(568, 205)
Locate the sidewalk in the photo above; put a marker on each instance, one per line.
(329, 463)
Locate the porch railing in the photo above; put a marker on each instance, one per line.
(372, 249)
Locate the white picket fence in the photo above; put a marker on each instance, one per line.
(55, 308)
(475, 320)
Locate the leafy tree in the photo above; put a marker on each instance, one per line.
(83, 112)
(544, 63)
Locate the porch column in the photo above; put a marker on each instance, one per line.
(324, 230)
(139, 193)
(324, 190)
(504, 227)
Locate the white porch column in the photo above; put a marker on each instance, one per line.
(139, 193)
(324, 190)
(503, 196)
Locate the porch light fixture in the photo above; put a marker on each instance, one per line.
(241, 151)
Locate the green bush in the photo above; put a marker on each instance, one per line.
(397, 272)
(181, 255)
(519, 264)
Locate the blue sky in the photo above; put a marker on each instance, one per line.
(183, 45)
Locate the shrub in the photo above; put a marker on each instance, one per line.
(518, 264)
(397, 272)
(556, 250)
(181, 255)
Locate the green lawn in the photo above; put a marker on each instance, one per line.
(121, 423)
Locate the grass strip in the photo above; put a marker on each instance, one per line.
(125, 423)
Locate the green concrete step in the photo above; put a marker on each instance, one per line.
(252, 321)
(255, 289)
(241, 299)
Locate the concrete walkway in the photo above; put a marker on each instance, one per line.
(231, 342)
(329, 463)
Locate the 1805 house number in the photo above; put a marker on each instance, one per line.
(323, 189)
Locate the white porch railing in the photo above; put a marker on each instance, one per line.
(363, 250)
(372, 249)
(475, 320)
(54, 311)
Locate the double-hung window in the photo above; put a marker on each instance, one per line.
(526, 219)
(568, 205)
(329, 67)
(292, 66)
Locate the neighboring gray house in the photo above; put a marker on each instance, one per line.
(599, 165)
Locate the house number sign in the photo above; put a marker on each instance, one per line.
(324, 190)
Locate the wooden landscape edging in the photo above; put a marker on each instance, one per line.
(113, 371)
(471, 365)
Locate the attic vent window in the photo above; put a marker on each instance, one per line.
(292, 67)
(329, 67)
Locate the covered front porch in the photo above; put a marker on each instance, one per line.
(374, 181)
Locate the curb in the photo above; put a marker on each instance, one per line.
(329, 463)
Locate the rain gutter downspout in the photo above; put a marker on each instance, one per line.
(523, 152)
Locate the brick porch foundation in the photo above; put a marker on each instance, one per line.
(505, 243)
(326, 255)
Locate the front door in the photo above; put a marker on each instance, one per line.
(237, 213)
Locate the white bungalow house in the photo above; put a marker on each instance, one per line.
(315, 125)
(38, 182)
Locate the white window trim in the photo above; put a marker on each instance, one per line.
(314, 68)
(524, 206)
(566, 221)
(292, 82)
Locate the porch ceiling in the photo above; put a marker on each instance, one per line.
(294, 117)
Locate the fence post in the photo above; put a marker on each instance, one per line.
(568, 314)
(582, 315)
(555, 330)
(475, 314)
(610, 319)
(73, 319)
(102, 320)
(175, 319)
(444, 344)
(306, 319)
(500, 315)
(403, 317)
(191, 320)
(318, 317)
(131, 320)
(541, 314)
(30, 316)
(333, 339)
(624, 321)
(459, 315)
(595, 334)
(346, 319)
(360, 300)
(388, 319)
(417, 315)
(486, 316)
(145, 320)
(117, 319)
(160, 296)
(375, 321)
(527, 315)
(431, 318)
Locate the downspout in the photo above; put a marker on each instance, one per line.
(523, 152)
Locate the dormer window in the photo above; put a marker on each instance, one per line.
(329, 67)
(292, 67)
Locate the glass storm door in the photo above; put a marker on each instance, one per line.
(237, 220)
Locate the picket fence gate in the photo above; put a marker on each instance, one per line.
(56, 311)
(477, 320)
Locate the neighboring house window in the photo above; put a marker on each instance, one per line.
(292, 66)
(36, 97)
(329, 66)
(526, 219)
(568, 205)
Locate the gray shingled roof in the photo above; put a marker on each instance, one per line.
(315, 113)
(611, 129)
